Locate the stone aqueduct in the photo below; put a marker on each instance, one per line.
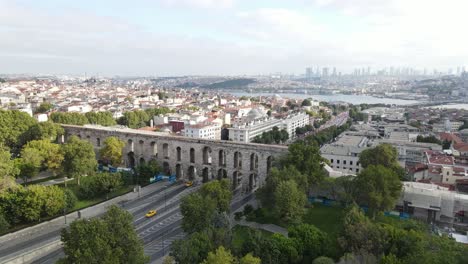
(245, 164)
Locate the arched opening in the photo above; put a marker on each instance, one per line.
(253, 161)
(130, 145)
(154, 148)
(98, 141)
(192, 155)
(236, 178)
(79, 136)
(166, 150)
(142, 161)
(179, 153)
(269, 164)
(178, 171)
(222, 174)
(191, 173)
(252, 182)
(141, 147)
(166, 168)
(207, 155)
(205, 175)
(222, 158)
(131, 159)
(88, 137)
(237, 160)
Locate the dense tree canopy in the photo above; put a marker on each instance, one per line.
(43, 130)
(111, 239)
(112, 150)
(8, 170)
(305, 157)
(385, 155)
(101, 118)
(275, 136)
(22, 205)
(79, 158)
(290, 201)
(69, 118)
(13, 124)
(378, 187)
(44, 107)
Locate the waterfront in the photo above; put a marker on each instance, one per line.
(348, 98)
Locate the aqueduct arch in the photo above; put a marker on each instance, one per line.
(246, 165)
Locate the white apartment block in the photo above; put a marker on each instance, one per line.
(343, 154)
(256, 122)
(203, 130)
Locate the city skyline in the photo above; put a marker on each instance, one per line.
(229, 37)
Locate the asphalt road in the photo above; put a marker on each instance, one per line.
(157, 233)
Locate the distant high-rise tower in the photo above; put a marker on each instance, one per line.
(324, 72)
(309, 73)
(334, 71)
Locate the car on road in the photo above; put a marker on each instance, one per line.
(188, 184)
(151, 213)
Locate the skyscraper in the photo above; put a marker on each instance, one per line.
(309, 73)
(324, 72)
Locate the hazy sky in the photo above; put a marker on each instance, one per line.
(179, 37)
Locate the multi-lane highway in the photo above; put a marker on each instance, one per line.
(157, 233)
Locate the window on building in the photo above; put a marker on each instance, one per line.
(357, 170)
(350, 162)
(344, 162)
(331, 160)
(337, 161)
(337, 167)
(357, 163)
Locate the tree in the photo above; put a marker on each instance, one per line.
(385, 155)
(111, 239)
(306, 102)
(309, 240)
(286, 249)
(220, 192)
(428, 139)
(79, 158)
(307, 160)
(4, 225)
(289, 201)
(250, 259)
(99, 184)
(101, 118)
(194, 249)
(323, 260)
(168, 260)
(221, 256)
(70, 199)
(13, 124)
(44, 107)
(44, 130)
(69, 118)
(379, 188)
(50, 154)
(147, 170)
(30, 163)
(8, 170)
(112, 150)
(197, 211)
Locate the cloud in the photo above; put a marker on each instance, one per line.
(200, 3)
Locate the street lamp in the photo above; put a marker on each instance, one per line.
(65, 204)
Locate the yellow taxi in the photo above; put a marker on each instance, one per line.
(188, 184)
(151, 213)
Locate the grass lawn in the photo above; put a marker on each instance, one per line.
(327, 218)
(80, 204)
(240, 235)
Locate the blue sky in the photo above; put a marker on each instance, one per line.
(218, 37)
